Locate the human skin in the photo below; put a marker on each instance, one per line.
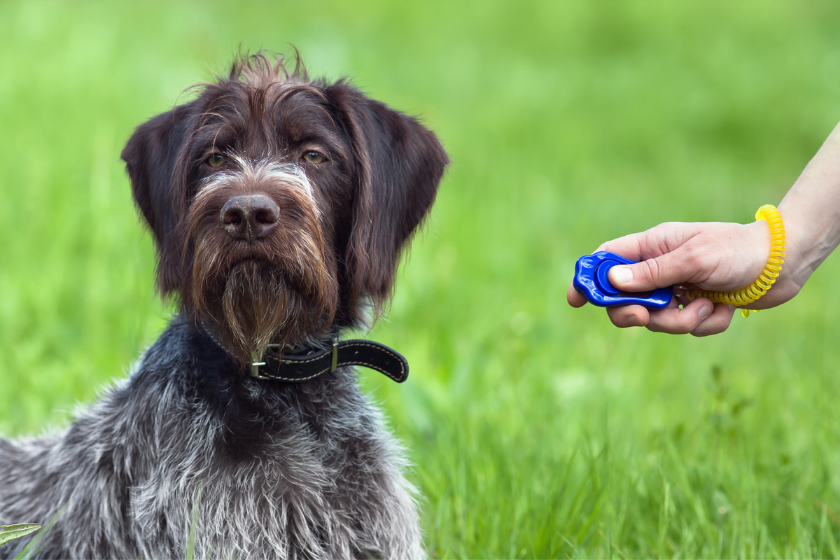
(726, 257)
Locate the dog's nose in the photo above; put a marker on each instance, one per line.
(249, 216)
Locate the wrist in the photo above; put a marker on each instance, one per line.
(759, 238)
(795, 269)
(804, 251)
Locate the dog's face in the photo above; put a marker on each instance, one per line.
(279, 205)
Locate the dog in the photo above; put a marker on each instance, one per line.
(279, 206)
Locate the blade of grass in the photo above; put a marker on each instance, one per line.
(37, 543)
(193, 524)
(12, 532)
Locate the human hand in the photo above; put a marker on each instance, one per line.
(712, 256)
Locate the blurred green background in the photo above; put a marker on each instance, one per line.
(536, 430)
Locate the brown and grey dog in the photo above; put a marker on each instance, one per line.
(279, 206)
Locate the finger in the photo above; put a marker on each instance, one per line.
(625, 316)
(717, 322)
(660, 272)
(574, 297)
(652, 243)
(674, 320)
(629, 246)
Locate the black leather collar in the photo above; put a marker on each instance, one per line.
(300, 367)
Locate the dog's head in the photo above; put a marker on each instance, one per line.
(279, 205)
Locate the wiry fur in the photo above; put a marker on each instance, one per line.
(271, 469)
(276, 470)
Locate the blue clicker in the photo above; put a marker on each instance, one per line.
(592, 281)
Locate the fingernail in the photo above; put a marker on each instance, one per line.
(621, 275)
(704, 312)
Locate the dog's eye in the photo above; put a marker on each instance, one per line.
(215, 160)
(314, 157)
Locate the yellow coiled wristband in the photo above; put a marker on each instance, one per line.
(771, 215)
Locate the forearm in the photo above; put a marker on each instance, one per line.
(811, 212)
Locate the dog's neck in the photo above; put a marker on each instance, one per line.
(325, 355)
(311, 344)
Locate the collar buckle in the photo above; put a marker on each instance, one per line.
(255, 370)
(334, 363)
(256, 363)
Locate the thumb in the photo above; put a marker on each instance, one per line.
(661, 272)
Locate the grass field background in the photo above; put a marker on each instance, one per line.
(536, 430)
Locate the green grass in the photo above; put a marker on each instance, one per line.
(536, 430)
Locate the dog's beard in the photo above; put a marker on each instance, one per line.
(255, 306)
(255, 302)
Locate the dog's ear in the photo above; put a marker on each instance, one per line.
(398, 165)
(154, 159)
